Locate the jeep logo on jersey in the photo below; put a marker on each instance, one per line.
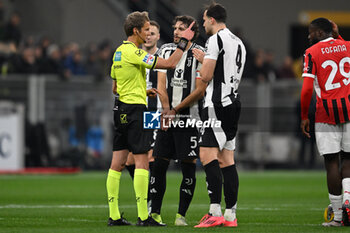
(5, 141)
(151, 120)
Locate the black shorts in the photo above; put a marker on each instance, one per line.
(128, 129)
(177, 144)
(224, 136)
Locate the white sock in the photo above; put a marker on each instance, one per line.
(346, 188)
(336, 202)
(230, 214)
(215, 210)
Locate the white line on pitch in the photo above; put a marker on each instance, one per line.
(15, 206)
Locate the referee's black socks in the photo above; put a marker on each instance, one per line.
(187, 187)
(230, 185)
(149, 187)
(214, 181)
(158, 184)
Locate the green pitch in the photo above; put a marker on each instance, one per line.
(277, 201)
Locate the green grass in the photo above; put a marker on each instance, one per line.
(274, 201)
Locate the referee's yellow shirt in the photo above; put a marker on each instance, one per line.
(129, 71)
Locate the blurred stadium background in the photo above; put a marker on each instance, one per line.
(55, 98)
(56, 110)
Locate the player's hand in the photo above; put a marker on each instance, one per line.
(166, 118)
(188, 33)
(198, 54)
(305, 127)
(164, 121)
(152, 93)
(335, 30)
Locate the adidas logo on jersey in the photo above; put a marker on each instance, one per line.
(192, 153)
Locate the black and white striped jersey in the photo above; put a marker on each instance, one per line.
(181, 81)
(230, 55)
(153, 104)
(151, 81)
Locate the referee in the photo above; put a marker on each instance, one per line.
(128, 72)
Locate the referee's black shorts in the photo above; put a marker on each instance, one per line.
(128, 129)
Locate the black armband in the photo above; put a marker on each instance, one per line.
(182, 44)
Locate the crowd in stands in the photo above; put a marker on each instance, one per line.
(27, 55)
(261, 66)
(42, 56)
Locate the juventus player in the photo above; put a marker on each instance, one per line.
(153, 102)
(327, 68)
(180, 89)
(222, 68)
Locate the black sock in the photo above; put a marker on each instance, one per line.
(131, 170)
(187, 187)
(149, 187)
(230, 185)
(214, 181)
(158, 184)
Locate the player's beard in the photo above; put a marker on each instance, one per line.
(208, 31)
(176, 40)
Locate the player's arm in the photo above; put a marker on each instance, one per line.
(305, 99)
(207, 70)
(172, 61)
(163, 94)
(309, 75)
(152, 93)
(197, 94)
(114, 87)
(164, 99)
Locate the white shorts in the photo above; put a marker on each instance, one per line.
(332, 139)
(223, 136)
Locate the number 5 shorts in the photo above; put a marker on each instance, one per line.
(177, 143)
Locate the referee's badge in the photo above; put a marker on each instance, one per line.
(151, 120)
(123, 119)
(117, 56)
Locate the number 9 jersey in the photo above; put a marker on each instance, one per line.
(328, 63)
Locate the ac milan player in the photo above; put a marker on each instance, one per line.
(327, 68)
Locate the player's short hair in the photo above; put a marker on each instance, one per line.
(217, 11)
(135, 20)
(154, 23)
(186, 19)
(323, 24)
